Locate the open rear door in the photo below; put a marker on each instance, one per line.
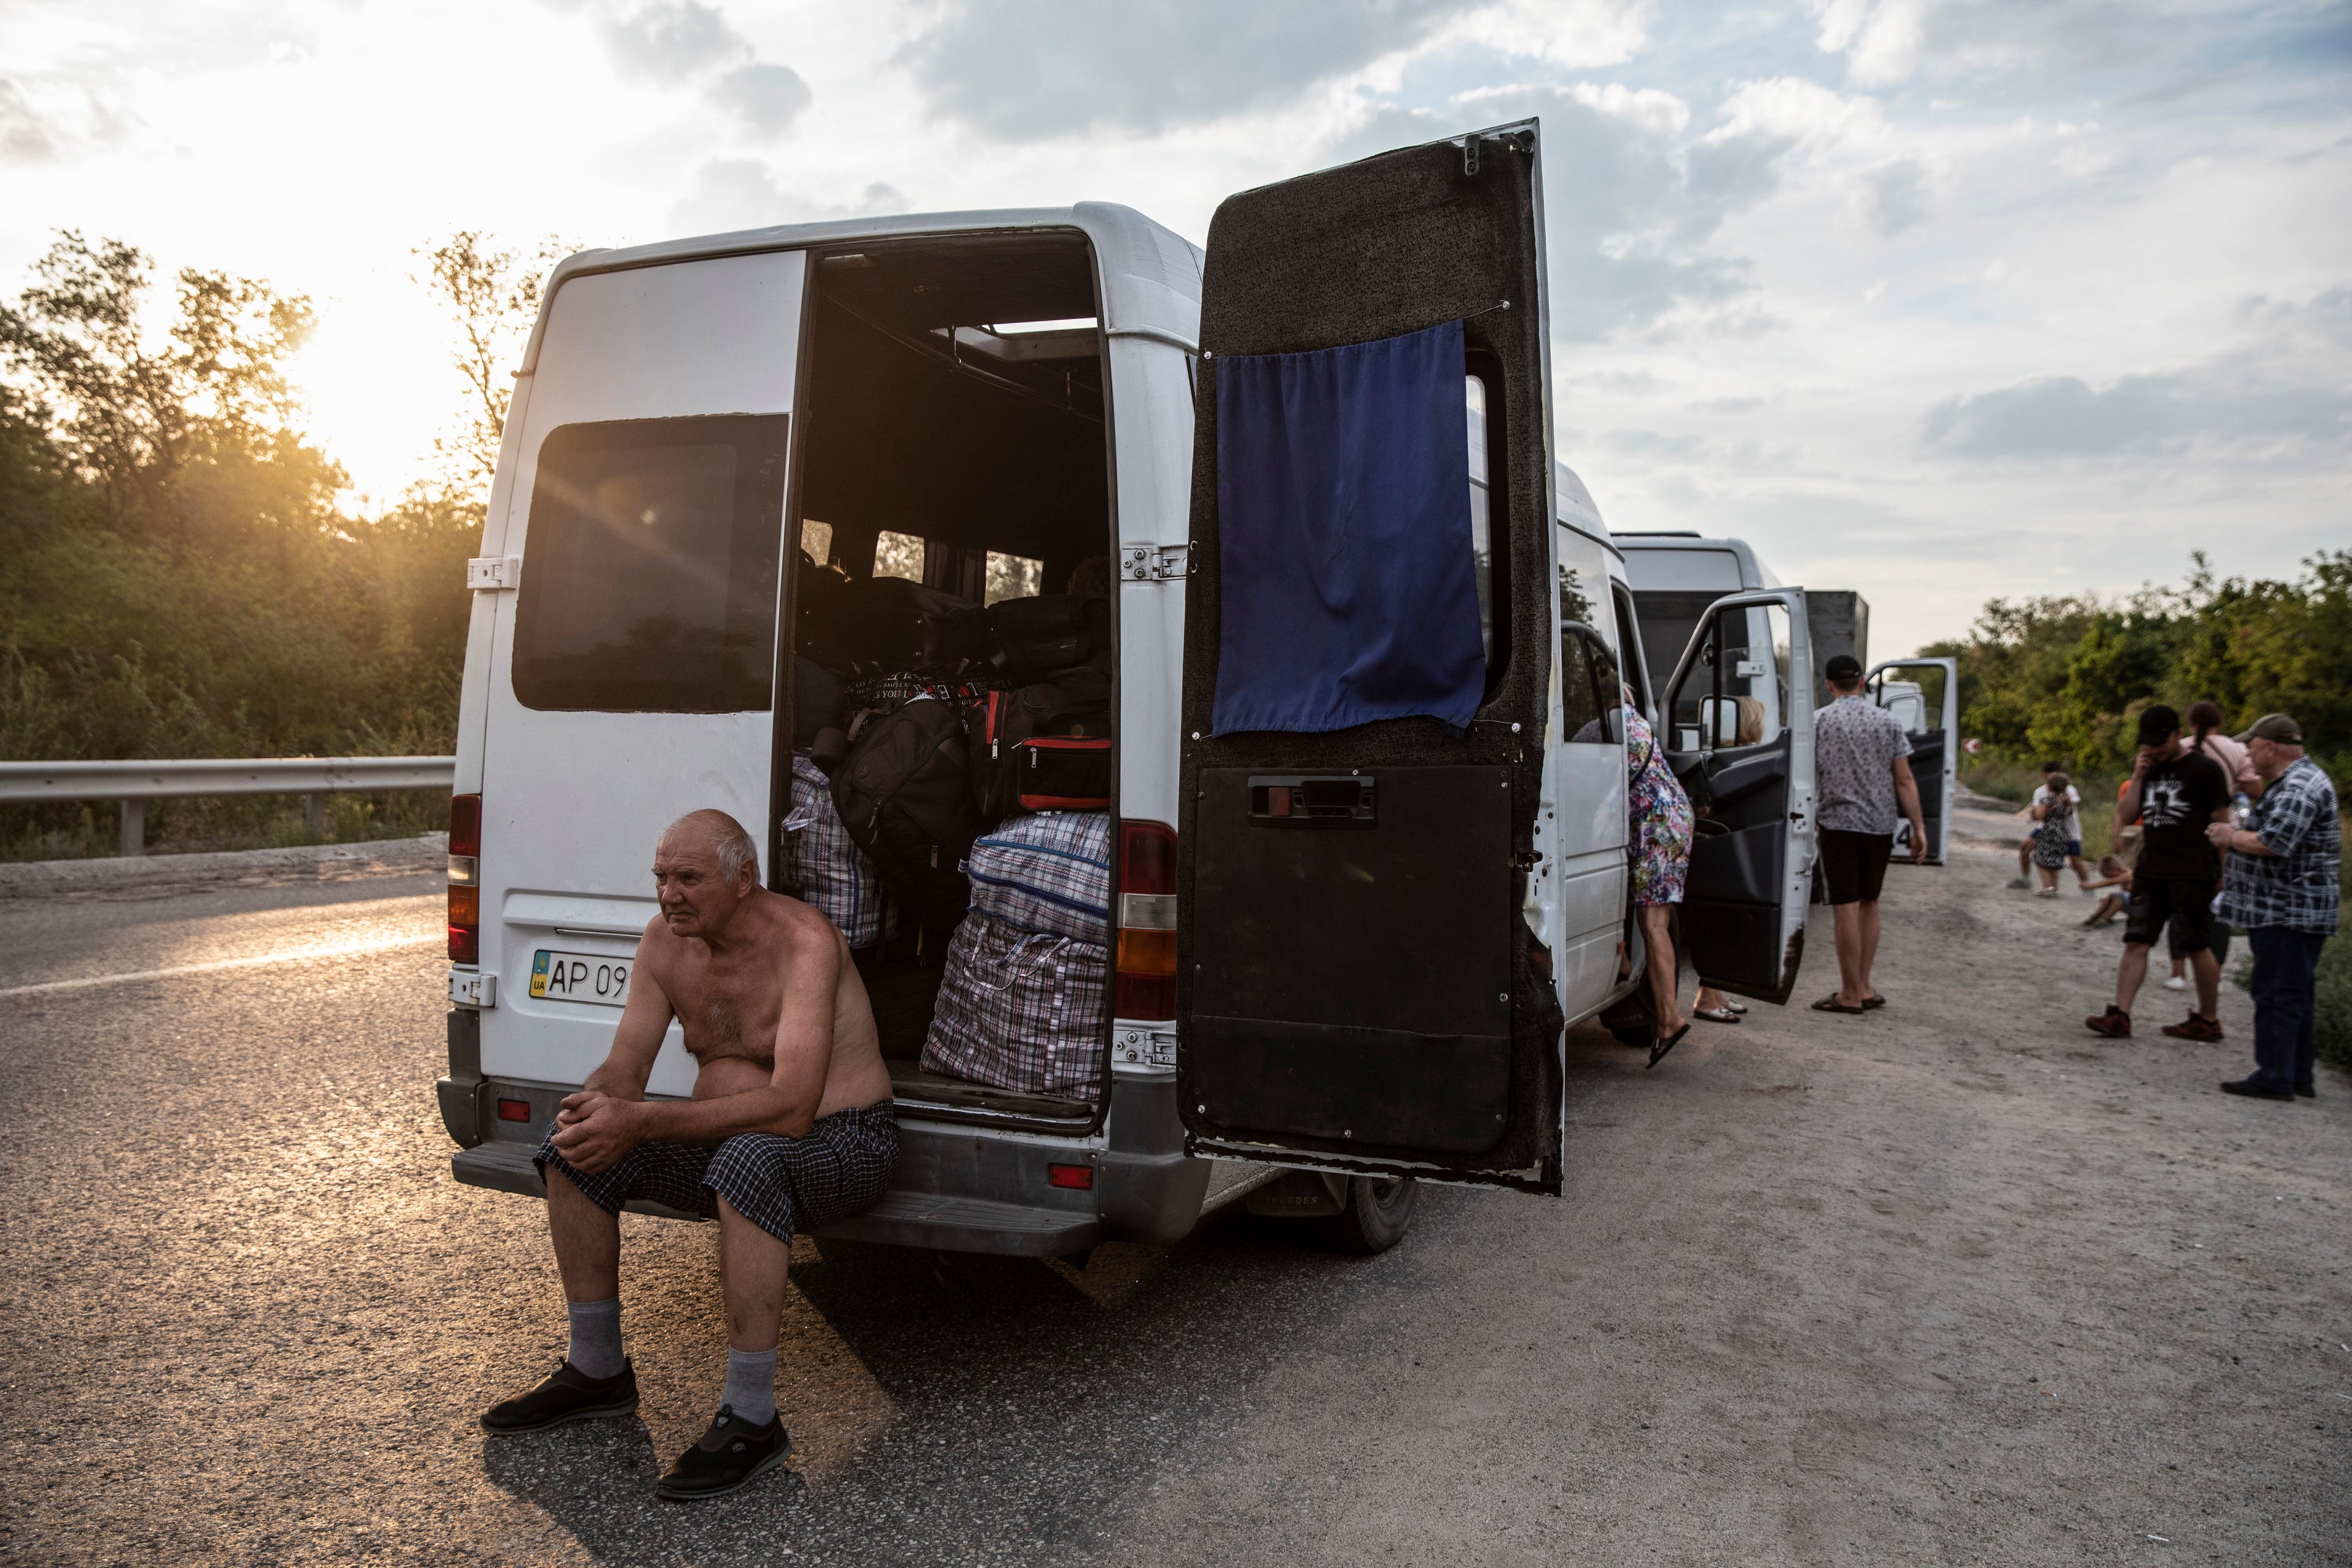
(1739, 734)
(1357, 985)
(1925, 694)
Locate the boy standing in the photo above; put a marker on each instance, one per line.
(2177, 793)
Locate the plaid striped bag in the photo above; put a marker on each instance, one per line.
(1048, 873)
(837, 879)
(1019, 1010)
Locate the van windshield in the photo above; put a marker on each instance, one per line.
(649, 567)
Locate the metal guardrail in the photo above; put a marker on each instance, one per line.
(135, 783)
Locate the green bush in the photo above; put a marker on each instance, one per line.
(2336, 1002)
(175, 577)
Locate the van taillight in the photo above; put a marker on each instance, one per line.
(465, 879)
(1146, 981)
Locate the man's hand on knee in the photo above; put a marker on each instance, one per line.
(594, 1131)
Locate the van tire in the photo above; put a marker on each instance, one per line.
(1638, 1036)
(1377, 1213)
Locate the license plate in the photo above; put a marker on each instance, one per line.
(580, 977)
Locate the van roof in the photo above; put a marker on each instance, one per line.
(1753, 573)
(1149, 275)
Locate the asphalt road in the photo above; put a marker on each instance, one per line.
(1953, 1283)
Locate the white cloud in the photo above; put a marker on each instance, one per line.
(768, 97)
(24, 138)
(671, 40)
(1881, 39)
(729, 194)
(1029, 70)
(1578, 34)
(2281, 396)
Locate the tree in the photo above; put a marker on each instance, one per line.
(140, 418)
(493, 294)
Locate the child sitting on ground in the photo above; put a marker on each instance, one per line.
(2114, 906)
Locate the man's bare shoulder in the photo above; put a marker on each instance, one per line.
(795, 927)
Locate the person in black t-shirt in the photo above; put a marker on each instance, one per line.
(2176, 793)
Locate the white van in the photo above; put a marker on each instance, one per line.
(1325, 1004)
(1677, 576)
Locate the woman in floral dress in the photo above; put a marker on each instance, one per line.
(1660, 821)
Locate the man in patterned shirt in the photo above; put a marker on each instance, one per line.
(2281, 886)
(1862, 771)
(789, 1127)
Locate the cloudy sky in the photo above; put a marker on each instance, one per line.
(1934, 299)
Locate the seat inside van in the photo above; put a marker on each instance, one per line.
(954, 440)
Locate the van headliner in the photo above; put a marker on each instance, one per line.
(1148, 276)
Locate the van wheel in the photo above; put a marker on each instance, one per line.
(1379, 1213)
(1638, 1036)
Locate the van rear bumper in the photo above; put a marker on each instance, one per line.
(957, 1189)
(901, 1219)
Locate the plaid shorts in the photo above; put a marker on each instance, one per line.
(781, 1185)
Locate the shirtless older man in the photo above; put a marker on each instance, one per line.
(790, 1127)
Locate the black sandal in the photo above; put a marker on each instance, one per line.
(1830, 1004)
(1658, 1048)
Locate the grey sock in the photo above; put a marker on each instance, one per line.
(752, 1386)
(595, 1337)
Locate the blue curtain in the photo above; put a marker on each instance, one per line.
(1343, 506)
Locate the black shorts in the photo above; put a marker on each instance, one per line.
(2183, 903)
(781, 1185)
(1855, 864)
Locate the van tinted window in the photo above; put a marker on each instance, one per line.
(649, 567)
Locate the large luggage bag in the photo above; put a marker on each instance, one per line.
(1048, 874)
(1024, 1011)
(837, 879)
(905, 795)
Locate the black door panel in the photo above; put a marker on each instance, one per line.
(1400, 922)
(1736, 947)
(1927, 769)
(1374, 1088)
(1742, 925)
(1353, 977)
(1741, 867)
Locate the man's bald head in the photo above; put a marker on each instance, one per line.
(718, 833)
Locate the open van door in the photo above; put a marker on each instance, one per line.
(1739, 735)
(632, 646)
(1928, 699)
(1357, 987)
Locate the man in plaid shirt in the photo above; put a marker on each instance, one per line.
(2284, 865)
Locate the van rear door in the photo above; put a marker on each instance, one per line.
(1738, 733)
(1357, 985)
(632, 669)
(1934, 723)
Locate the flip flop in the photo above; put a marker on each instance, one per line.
(1735, 1004)
(1716, 1014)
(1658, 1048)
(1870, 1002)
(1830, 1004)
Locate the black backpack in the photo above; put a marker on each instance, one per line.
(1045, 746)
(904, 793)
(1051, 632)
(889, 625)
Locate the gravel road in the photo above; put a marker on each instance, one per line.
(1955, 1282)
